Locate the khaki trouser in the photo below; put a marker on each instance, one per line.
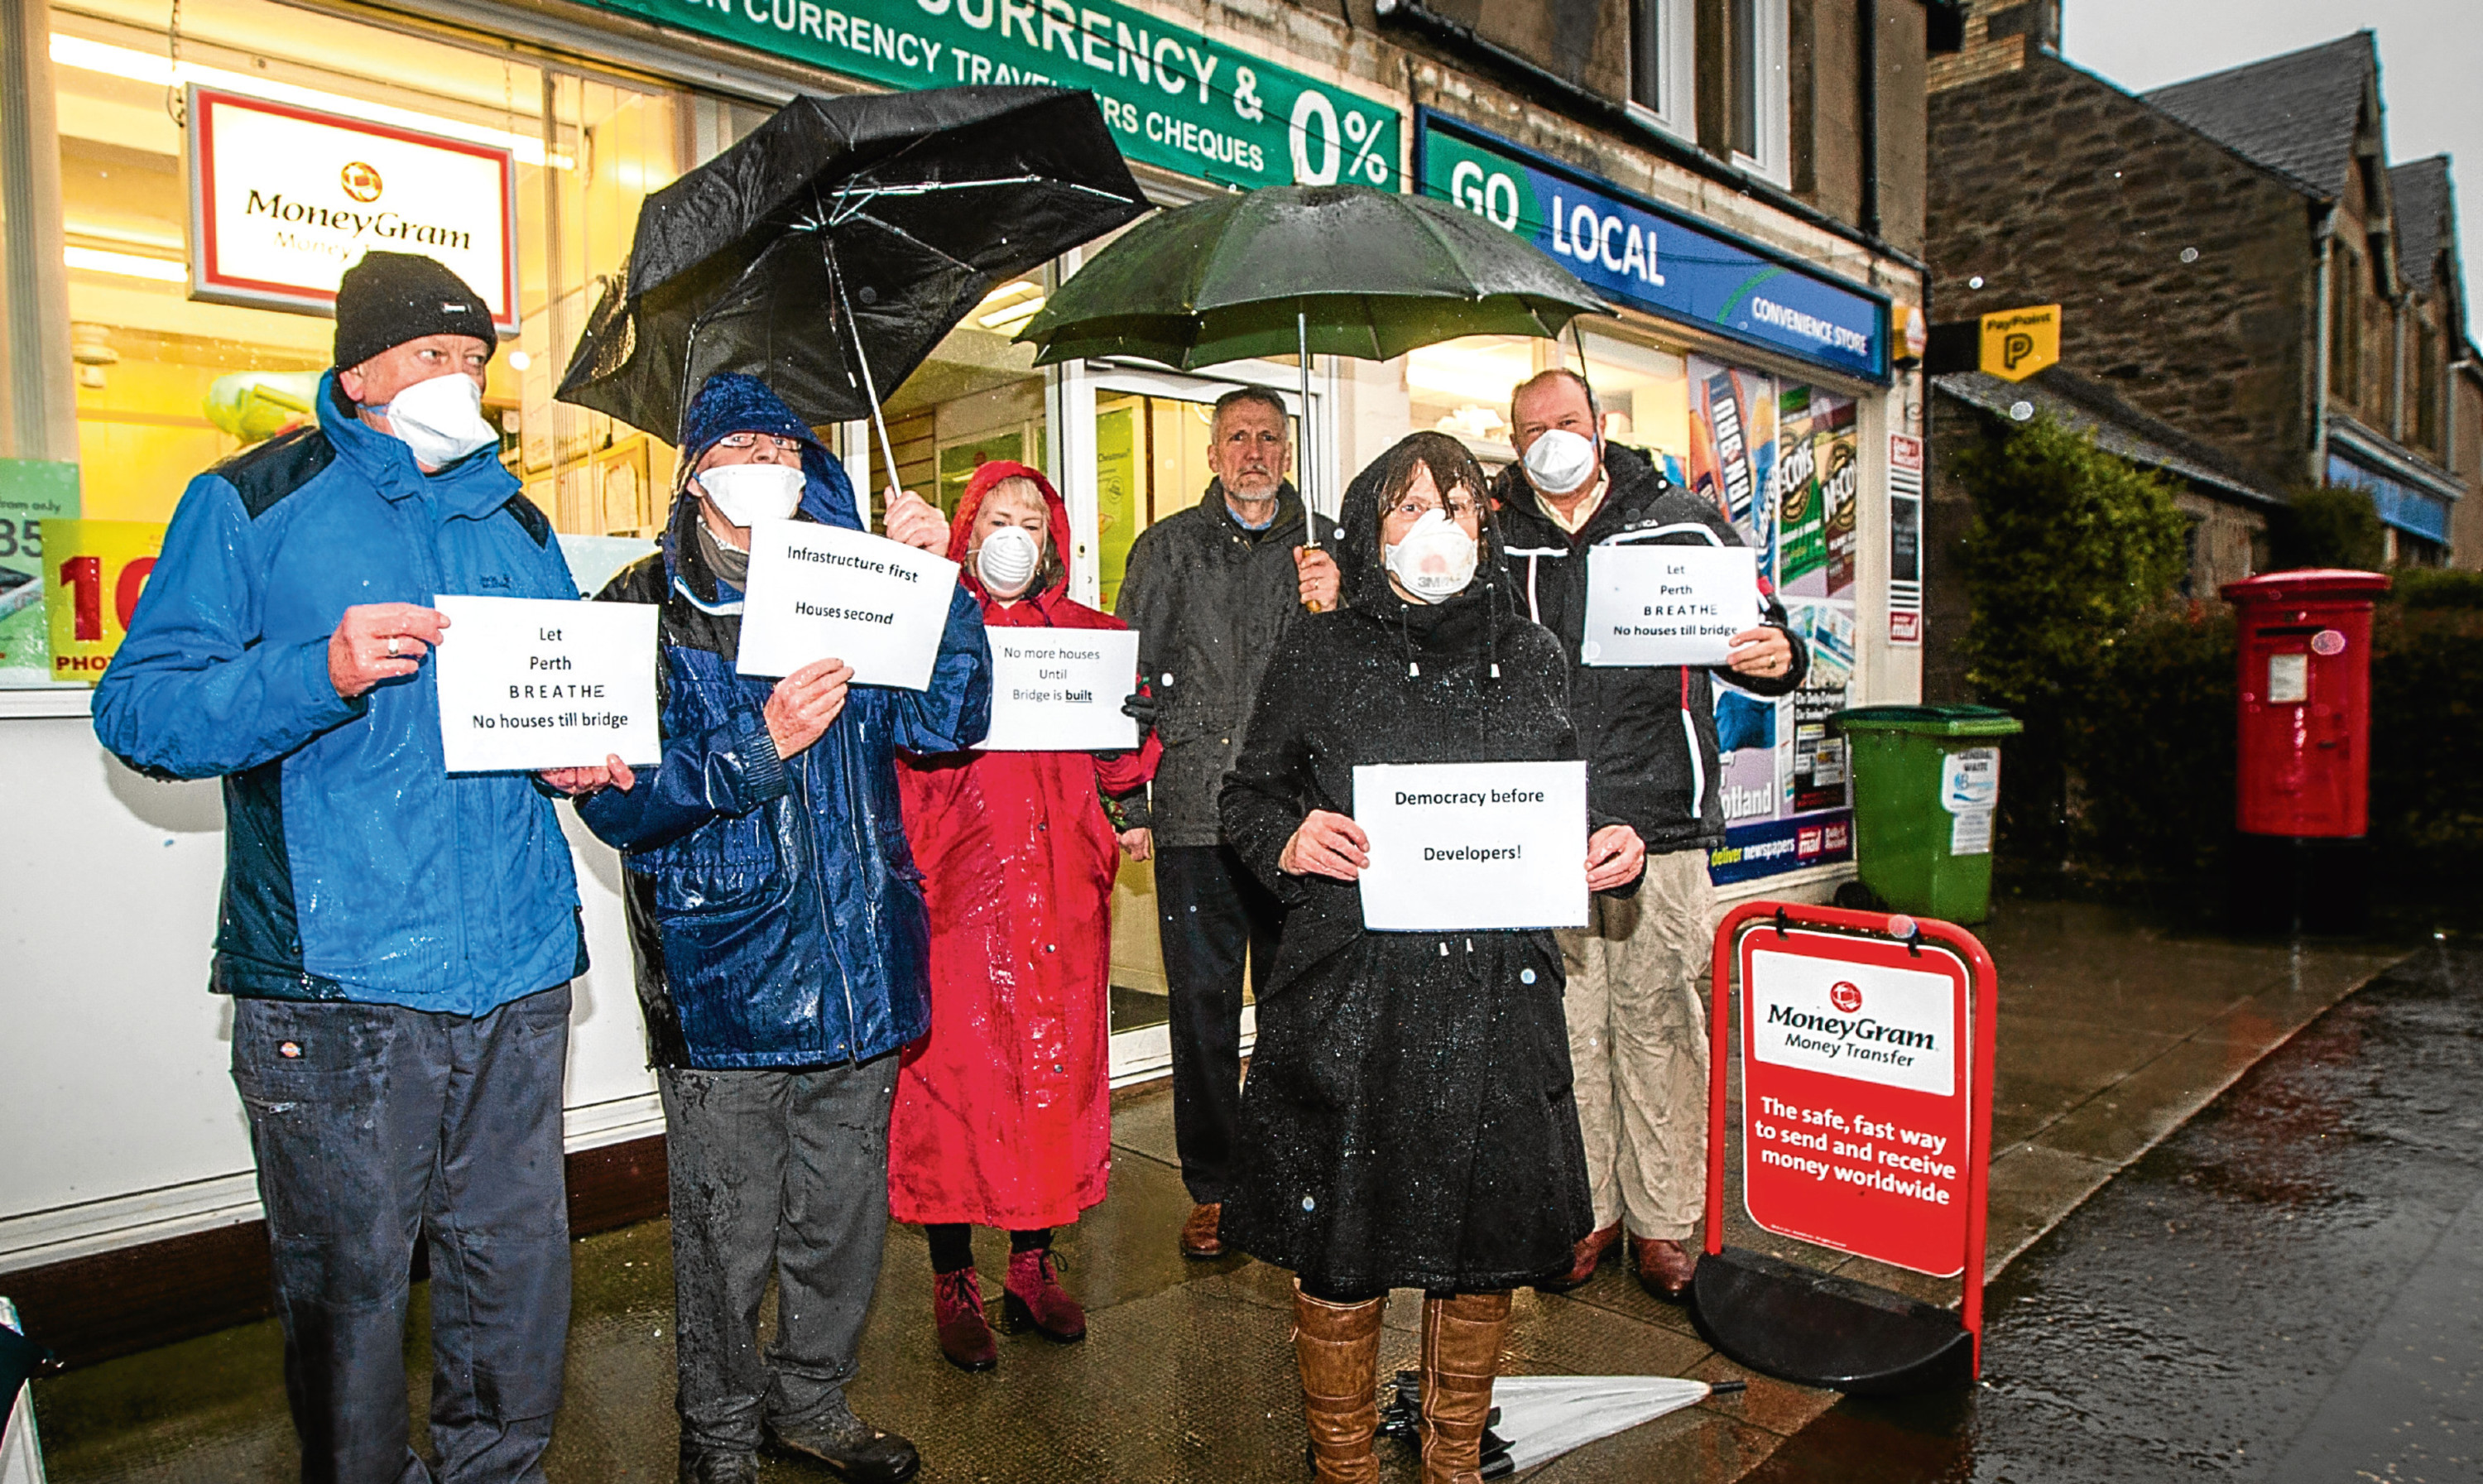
(1638, 1045)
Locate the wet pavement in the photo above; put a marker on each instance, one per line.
(2113, 1032)
(2289, 1289)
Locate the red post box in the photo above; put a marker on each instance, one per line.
(2303, 760)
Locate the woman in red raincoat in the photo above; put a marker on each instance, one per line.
(1003, 1115)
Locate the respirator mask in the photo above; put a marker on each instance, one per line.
(1006, 560)
(1436, 559)
(440, 421)
(747, 493)
(1559, 462)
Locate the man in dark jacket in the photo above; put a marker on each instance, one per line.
(398, 940)
(1638, 1038)
(783, 947)
(1211, 591)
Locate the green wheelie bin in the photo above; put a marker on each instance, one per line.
(1926, 785)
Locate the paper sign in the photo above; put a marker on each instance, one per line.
(531, 684)
(1060, 690)
(93, 572)
(1668, 605)
(1473, 845)
(819, 592)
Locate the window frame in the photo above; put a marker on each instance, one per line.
(1676, 26)
(1768, 74)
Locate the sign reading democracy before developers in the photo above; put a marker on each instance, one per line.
(1473, 845)
(1668, 605)
(533, 683)
(1855, 1072)
(825, 592)
(1060, 690)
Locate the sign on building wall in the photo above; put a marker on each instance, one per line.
(283, 199)
(1905, 540)
(1174, 96)
(1651, 258)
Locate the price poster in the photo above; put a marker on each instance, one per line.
(1473, 845)
(533, 683)
(1060, 690)
(819, 592)
(93, 572)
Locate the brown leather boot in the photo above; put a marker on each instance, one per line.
(1461, 1339)
(1337, 1346)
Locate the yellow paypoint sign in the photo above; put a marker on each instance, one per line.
(2017, 343)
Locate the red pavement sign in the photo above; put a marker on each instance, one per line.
(1866, 1051)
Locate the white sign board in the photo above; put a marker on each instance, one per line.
(1060, 690)
(1476, 846)
(530, 683)
(821, 592)
(283, 199)
(1653, 604)
(1888, 1026)
(1970, 791)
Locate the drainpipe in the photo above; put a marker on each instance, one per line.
(2325, 235)
(1867, 42)
(2396, 375)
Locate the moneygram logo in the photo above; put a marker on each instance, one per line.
(1845, 997)
(361, 182)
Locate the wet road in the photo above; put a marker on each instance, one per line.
(2290, 1288)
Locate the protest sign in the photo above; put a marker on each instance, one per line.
(1666, 605)
(1060, 690)
(1473, 845)
(532, 684)
(819, 592)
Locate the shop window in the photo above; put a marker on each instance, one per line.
(975, 399)
(1461, 387)
(1758, 109)
(1663, 54)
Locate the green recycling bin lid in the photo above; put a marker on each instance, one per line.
(1948, 721)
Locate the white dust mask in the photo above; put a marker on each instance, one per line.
(746, 493)
(1007, 561)
(440, 420)
(1436, 559)
(1559, 462)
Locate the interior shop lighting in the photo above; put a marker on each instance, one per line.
(1485, 377)
(1006, 309)
(129, 265)
(139, 67)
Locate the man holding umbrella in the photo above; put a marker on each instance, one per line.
(1210, 592)
(1638, 1039)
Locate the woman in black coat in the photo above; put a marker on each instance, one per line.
(1408, 1120)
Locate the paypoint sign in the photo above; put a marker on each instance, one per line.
(1855, 1074)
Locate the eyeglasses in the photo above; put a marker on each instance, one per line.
(1460, 507)
(737, 441)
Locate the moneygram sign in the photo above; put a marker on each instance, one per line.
(1174, 96)
(1641, 255)
(283, 199)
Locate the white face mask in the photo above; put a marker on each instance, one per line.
(1436, 559)
(744, 494)
(1559, 462)
(440, 420)
(1006, 560)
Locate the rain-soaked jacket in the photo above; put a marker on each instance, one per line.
(1408, 1120)
(775, 908)
(357, 867)
(1003, 1114)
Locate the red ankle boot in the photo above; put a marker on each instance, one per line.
(957, 1309)
(1031, 1297)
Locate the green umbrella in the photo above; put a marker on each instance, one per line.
(1332, 270)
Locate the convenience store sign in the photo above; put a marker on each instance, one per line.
(1174, 98)
(1629, 250)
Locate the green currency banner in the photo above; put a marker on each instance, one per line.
(1175, 97)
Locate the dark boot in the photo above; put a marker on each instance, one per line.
(957, 1310)
(1032, 1298)
(1337, 1346)
(1461, 1339)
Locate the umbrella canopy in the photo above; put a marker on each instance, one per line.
(828, 252)
(1353, 271)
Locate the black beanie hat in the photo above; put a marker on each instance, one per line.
(390, 298)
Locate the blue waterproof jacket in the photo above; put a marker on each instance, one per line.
(774, 903)
(356, 867)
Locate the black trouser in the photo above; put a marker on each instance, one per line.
(1212, 912)
(373, 1124)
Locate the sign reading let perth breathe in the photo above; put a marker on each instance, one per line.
(1175, 97)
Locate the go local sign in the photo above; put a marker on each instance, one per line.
(1637, 253)
(283, 199)
(1175, 97)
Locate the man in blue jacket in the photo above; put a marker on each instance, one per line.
(398, 942)
(783, 947)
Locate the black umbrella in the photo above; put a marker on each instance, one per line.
(827, 252)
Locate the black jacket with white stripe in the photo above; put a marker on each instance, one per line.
(1649, 734)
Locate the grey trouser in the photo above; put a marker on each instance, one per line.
(1638, 1045)
(782, 1172)
(373, 1124)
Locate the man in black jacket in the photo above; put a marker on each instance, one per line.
(1637, 1035)
(1210, 591)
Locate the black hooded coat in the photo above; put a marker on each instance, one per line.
(1408, 1120)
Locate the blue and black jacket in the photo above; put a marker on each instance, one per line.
(355, 866)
